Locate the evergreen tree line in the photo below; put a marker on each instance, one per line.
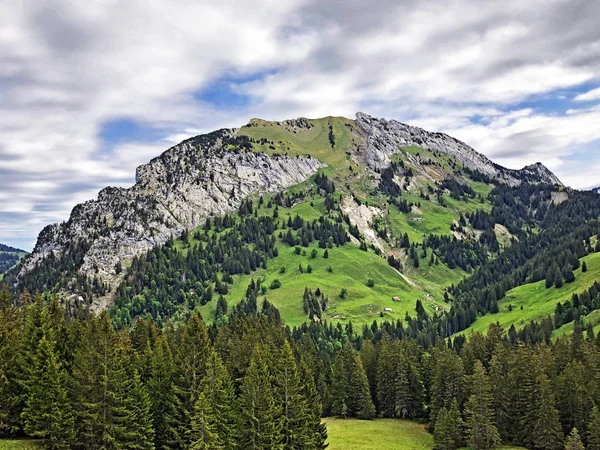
(78, 383)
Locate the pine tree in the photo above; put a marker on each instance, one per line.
(547, 432)
(481, 431)
(584, 267)
(447, 432)
(593, 435)
(574, 441)
(47, 413)
(260, 416)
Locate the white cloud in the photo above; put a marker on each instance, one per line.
(67, 68)
(588, 96)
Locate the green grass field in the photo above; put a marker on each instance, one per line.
(539, 302)
(351, 268)
(380, 434)
(19, 444)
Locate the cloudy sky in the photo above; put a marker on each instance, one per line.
(91, 89)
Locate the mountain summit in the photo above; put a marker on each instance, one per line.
(212, 174)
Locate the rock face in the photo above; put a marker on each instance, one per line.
(176, 191)
(386, 137)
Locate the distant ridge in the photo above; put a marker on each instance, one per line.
(9, 249)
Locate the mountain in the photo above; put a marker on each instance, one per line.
(9, 257)
(387, 182)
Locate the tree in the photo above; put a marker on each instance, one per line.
(218, 393)
(593, 435)
(47, 413)
(316, 427)
(447, 432)
(574, 441)
(547, 432)
(141, 430)
(584, 267)
(446, 382)
(294, 407)
(165, 411)
(204, 435)
(103, 394)
(191, 360)
(260, 417)
(350, 387)
(481, 431)
(568, 274)
(11, 340)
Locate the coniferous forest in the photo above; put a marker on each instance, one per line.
(77, 382)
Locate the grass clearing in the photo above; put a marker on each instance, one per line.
(380, 434)
(20, 444)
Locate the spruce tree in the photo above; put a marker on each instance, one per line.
(140, 429)
(165, 405)
(294, 408)
(192, 352)
(574, 441)
(448, 426)
(11, 336)
(204, 434)
(316, 428)
(218, 393)
(584, 267)
(547, 432)
(260, 415)
(47, 413)
(501, 389)
(481, 431)
(593, 435)
(350, 387)
(446, 382)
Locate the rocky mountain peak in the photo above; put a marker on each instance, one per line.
(176, 191)
(540, 173)
(386, 137)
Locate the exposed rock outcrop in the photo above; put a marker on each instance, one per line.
(386, 137)
(174, 192)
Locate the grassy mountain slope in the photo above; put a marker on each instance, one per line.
(539, 302)
(351, 268)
